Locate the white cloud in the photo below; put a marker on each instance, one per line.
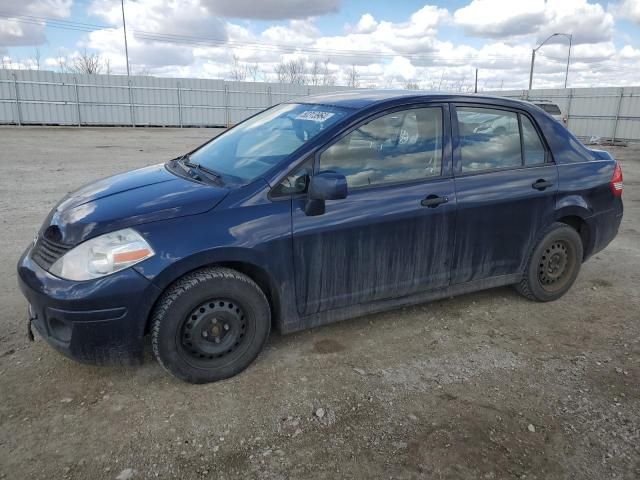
(184, 20)
(629, 53)
(588, 22)
(271, 9)
(366, 24)
(497, 18)
(384, 53)
(629, 9)
(17, 33)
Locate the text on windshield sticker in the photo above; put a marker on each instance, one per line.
(314, 116)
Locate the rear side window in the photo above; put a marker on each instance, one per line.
(550, 108)
(534, 152)
(489, 139)
(401, 146)
(492, 139)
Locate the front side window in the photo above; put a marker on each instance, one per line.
(400, 146)
(253, 147)
(296, 181)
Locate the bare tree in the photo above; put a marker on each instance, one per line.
(296, 71)
(107, 66)
(238, 70)
(87, 63)
(315, 72)
(36, 58)
(4, 62)
(62, 61)
(281, 72)
(412, 86)
(293, 71)
(253, 71)
(353, 77)
(328, 78)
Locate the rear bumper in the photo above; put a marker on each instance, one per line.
(97, 321)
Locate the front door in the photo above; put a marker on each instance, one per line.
(391, 236)
(506, 184)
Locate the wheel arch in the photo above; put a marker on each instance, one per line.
(575, 216)
(242, 260)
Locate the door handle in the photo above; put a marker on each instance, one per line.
(541, 184)
(432, 201)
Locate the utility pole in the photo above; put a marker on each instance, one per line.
(475, 89)
(533, 56)
(126, 48)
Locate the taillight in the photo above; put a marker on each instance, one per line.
(616, 181)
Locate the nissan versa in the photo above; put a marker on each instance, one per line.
(315, 211)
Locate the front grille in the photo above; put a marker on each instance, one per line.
(46, 252)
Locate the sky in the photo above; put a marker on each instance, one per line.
(436, 45)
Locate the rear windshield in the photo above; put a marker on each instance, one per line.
(550, 108)
(254, 146)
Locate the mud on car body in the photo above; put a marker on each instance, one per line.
(313, 212)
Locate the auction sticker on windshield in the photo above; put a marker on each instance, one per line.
(315, 116)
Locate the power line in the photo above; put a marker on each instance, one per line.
(217, 42)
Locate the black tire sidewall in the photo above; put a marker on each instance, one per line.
(255, 307)
(558, 232)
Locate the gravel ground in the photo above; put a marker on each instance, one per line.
(486, 385)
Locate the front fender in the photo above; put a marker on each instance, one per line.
(205, 258)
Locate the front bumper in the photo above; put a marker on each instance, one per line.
(96, 321)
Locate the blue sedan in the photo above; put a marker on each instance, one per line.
(314, 211)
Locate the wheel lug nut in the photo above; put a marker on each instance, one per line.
(226, 326)
(217, 340)
(204, 334)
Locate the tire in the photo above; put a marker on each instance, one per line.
(210, 325)
(553, 265)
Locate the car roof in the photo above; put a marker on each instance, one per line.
(358, 99)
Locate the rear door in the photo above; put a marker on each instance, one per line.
(392, 235)
(506, 183)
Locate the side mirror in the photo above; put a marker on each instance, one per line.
(328, 186)
(324, 186)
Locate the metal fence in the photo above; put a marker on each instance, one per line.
(29, 97)
(607, 112)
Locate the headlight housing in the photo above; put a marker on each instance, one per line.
(103, 255)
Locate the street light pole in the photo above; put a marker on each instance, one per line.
(566, 75)
(124, 26)
(533, 56)
(533, 60)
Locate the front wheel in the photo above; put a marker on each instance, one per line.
(210, 325)
(553, 265)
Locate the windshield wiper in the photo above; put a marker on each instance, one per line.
(198, 169)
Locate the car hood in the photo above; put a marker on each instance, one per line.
(139, 196)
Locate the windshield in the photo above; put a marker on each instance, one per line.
(254, 146)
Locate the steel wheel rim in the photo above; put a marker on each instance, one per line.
(213, 330)
(556, 265)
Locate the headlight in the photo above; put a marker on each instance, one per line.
(103, 255)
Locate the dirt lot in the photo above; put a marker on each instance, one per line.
(486, 385)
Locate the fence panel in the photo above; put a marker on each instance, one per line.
(603, 112)
(70, 99)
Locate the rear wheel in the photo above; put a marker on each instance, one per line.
(210, 325)
(553, 265)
